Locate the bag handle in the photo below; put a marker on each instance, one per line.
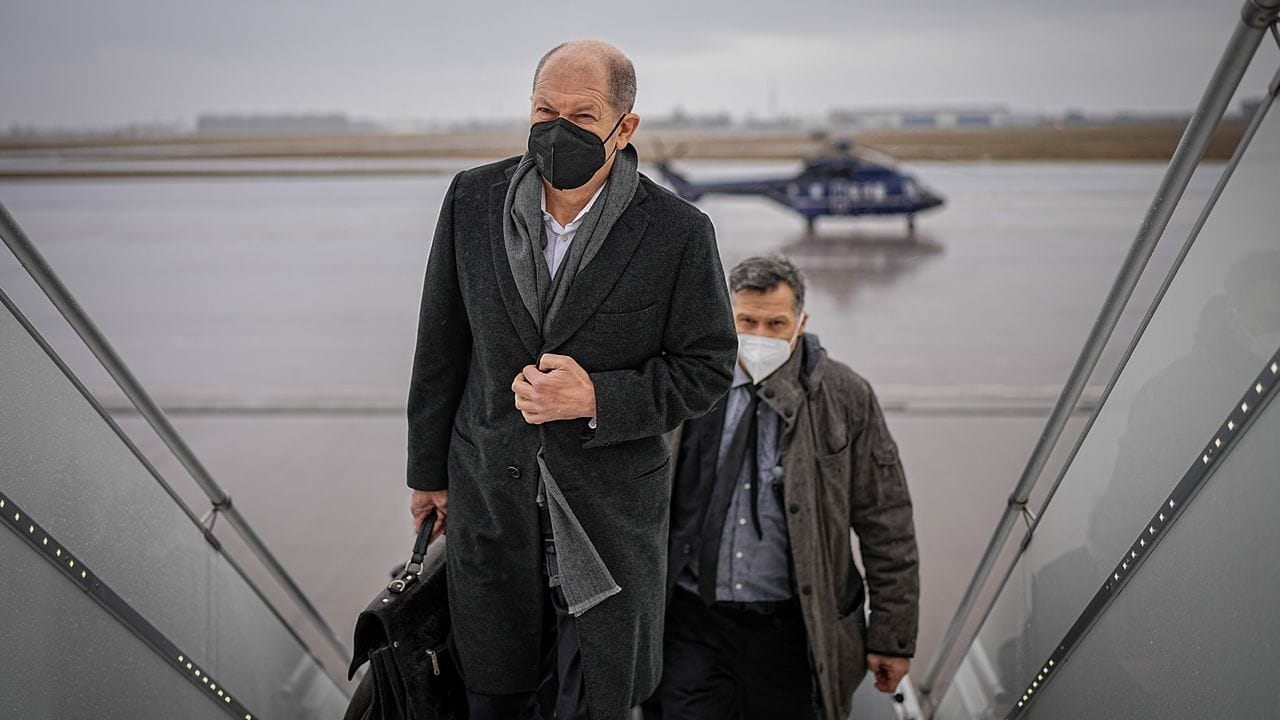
(413, 568)
(424, 537)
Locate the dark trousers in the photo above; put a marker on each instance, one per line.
(725, 663)
(561, 694)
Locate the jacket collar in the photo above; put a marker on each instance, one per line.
(786, 390)
(589, 288)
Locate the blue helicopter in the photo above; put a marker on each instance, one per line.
(838, 183)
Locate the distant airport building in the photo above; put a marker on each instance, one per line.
(678, 119)
(308, 124)
(1123, 117)
(909, 118)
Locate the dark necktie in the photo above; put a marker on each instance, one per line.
(742, 448)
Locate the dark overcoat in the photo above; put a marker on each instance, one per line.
(841, 472)
(650, 320)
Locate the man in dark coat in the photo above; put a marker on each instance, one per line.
(766, 617)
(603, 296)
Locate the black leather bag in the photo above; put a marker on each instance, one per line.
(404, 636)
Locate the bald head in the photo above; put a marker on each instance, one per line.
(594, 56)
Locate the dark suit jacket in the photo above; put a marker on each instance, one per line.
(649, 318)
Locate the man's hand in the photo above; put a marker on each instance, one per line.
(558, 389)
(889, 671)
(422, 501)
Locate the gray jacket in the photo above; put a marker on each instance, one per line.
(841, 473)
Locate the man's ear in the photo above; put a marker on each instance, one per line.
(804, 321)
(627, 129)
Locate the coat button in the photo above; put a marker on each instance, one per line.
(513, 471)
(768, 392)
(794, 508)
(788, 412)
(806, 590)
(687, 549)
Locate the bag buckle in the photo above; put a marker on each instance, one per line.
(401, 583)
(435, 662)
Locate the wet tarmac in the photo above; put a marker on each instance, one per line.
(275, 320)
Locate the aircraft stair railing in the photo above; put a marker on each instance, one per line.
(117, 599)
(1182, 434)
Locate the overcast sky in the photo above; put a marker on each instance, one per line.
(73, 63)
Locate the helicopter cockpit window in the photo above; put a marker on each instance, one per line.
(834, 170)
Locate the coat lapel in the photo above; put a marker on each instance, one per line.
(593, 283)
(516, 309)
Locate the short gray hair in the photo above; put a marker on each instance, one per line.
(763, 274)
(622, 74)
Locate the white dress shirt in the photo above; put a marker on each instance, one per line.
(559, 237)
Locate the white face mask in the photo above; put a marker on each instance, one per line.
(762, 356)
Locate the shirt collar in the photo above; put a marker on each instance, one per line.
(740, 376)
(576, 221)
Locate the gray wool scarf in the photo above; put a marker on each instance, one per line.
(582, 574)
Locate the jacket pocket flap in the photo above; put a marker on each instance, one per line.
(886, 453)
(624, 322)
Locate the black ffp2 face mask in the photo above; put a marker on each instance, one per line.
(566, 154)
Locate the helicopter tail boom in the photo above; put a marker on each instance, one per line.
(679, 183)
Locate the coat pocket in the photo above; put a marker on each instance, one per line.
(661, 467)
(639, 323)
(855, 624)
(854, 591)
(833, 476)
(465, 440)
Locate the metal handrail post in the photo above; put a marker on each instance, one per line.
(44, 276)
(1256, 16)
